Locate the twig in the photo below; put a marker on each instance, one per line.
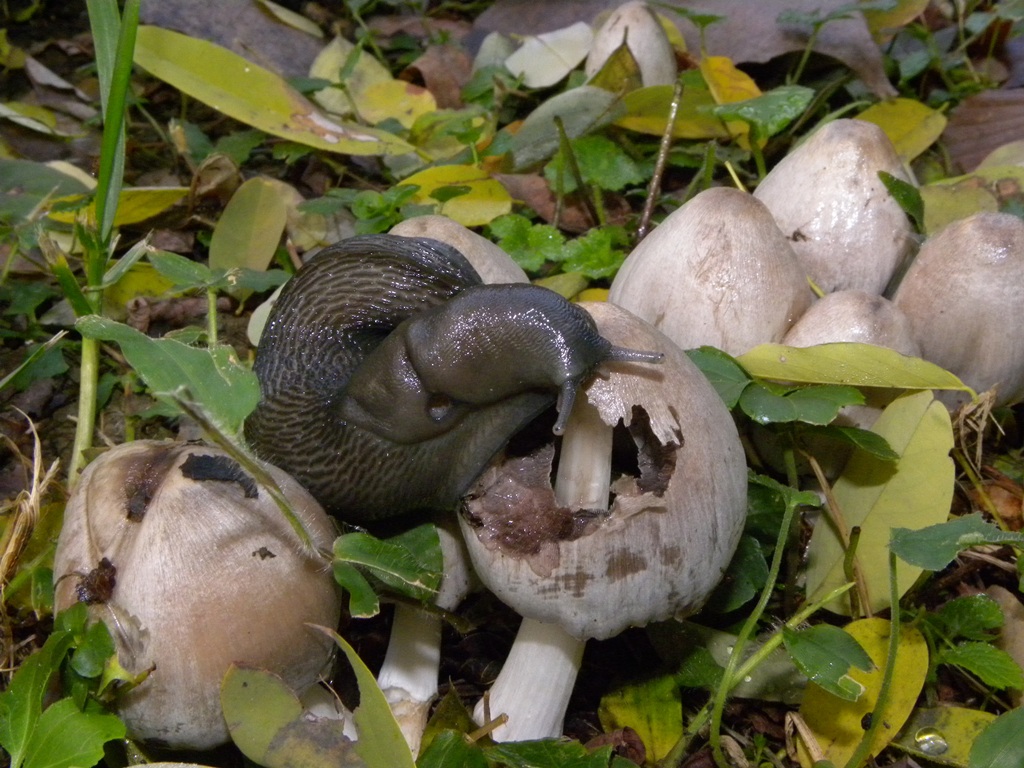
(654, 188)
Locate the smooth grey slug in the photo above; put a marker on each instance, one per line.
(390, 375)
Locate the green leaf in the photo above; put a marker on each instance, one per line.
(183, 271)
(993, 666)
(859, 365)
(21, 705)
(530, 245)
(227, 390)
(363, 602)
(811, 405)
(862, 439)
(743, 579)
(396, 562)
(935, 547)
(94, 648)
(907, 195)
(601, 161)
(770, 112)
(597, 254)
(548, 753)
(973, 617)
(876, 495)
(66, 737)
(451, 748)
(381, 743)
(825, 654)
(1000, 745)
(721, 369)
(253, 95)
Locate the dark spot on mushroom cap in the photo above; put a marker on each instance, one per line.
(263, 553)
(201, 467)
(97, 585)
(143, 475)
(623, 563)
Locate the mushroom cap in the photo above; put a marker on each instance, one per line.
(964, 297)
(489, 260)
(670, 532)
(634, 24)
(825, 195)
(205, 575)
(717, 271)
(854, 315)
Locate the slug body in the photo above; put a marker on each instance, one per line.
(390, 375)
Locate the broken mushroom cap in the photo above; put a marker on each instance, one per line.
(826, 196)
(634, 24)
(964, 296)
(192, 567)
(670, 532)
(718, 272)
(578, 566)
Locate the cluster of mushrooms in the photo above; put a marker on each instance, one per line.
(629, 514)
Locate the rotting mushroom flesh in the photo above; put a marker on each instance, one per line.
(192, 567)
(576, 567)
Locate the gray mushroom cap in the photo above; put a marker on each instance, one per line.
(964, 296)
(828, 200)
(717, 271)
(669, 534)
(856, 316)
(202, 570)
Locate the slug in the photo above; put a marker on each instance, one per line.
(390, 375)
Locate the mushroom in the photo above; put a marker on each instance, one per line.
(576, 567)
(964, 296)
(718, 272)
(193, 567)
(826, 196)
(489, 260)
(853, 315)
(634, 25)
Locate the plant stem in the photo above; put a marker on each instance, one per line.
(211, 317)
(88, 381)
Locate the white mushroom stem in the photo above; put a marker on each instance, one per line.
(409, 675)
(536, 681)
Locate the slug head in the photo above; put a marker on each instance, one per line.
(487, 344)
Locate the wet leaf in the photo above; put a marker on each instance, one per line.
(1000, 745)
(744, 578)
(253, 95)
(480, 200)
(722, 370)
(811, 405)
(268, 724)
(911, 126)
(878, 495)
(942, 735)
(825, 654)
(859, 365)
(994, 667)
(249, 230)
(451, 748)
(647, 110)
(839, 724)
(771, 112)
(542, 60)
(935, 547)
(907, 195)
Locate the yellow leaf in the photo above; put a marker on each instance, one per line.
(727, 85)
(883, 23)
(255, 96)
(987, 189)
(839, 725)
(876, 496)
(858, 365)
(135, 204)
(647, 112)
(482, 201)
(396, 99)
(142, 280)
(911, 126)
(944, 734)
(249, 229)
(328, 64)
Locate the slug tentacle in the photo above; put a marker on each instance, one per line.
(390, 376)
